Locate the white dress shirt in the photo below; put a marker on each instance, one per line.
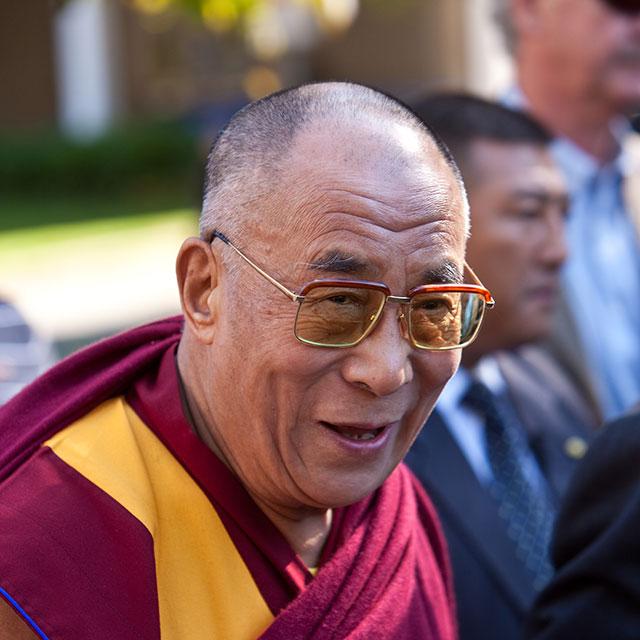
(467, 427)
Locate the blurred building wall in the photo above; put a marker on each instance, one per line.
(406, 48)
(489, 68)
(169, 64)
(27, 80)
(88, 66)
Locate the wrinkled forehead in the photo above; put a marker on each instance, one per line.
(366, 192)
(390, 172)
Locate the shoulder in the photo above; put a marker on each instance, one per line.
(533, 367)
(605, 484)
(617, 447)
(596, 535)
(63, 512)
(609, 473)
(541, 390)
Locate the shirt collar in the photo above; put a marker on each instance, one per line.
(454, 390)
(486, 371)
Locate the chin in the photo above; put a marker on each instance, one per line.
(334, 493)
(537, 322)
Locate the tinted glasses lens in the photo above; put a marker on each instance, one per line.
(337, 316)
(624, 6)
(445, 320)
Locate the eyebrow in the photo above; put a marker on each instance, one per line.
(541, 194)
(336, 261)
(340, 262)
(447, 273)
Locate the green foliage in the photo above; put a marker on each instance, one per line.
(137, 159)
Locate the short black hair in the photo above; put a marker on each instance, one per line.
(461, 118)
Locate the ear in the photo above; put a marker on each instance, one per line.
(197, 270)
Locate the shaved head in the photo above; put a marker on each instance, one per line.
(250, 160)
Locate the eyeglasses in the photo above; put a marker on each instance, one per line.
(630, 7)
(341, 313)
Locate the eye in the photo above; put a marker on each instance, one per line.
(528, 213)
(338, 297)
(434, 304)
(532, 214)
(342, 299)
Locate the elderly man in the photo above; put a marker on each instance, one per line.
(234, 474)
(497, 452)
(578, 72)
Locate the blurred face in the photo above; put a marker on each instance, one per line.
(594, 49)
(518, 204)
(308, 427)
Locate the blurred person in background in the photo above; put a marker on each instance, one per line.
(23, 354)
(596, 548)
(236, 472)
(498, 450)
(578, 72)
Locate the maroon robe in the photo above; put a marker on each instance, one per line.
(384, 572)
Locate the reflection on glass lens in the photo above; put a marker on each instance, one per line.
(337, 315)
(444, 320)
(342, 315)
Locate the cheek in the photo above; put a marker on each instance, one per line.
(434, 370)
(498, 264)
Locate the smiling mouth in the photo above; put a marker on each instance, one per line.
(355, 433)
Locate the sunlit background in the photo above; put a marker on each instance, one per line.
(109, 106)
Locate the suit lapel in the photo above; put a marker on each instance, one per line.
(548, 413)
(564, 345)
(465, 506)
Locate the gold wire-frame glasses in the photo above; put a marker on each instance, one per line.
(341, 313)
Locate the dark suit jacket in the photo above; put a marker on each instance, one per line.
(596, 546)
(493, 590)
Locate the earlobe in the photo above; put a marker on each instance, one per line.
(197, 273)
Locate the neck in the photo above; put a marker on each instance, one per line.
(305, 530)
(570, 113)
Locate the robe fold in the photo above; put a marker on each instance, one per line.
(117, 522)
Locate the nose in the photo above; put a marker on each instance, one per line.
(553, 246)
(381, 363)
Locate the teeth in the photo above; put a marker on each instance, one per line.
(363, 436)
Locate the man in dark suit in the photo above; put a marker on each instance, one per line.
(501, 445)
(596, 546)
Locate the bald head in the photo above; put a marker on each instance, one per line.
(250, 159)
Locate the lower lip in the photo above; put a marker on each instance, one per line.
(369, 445)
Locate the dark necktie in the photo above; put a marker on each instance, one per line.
(526, 512)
